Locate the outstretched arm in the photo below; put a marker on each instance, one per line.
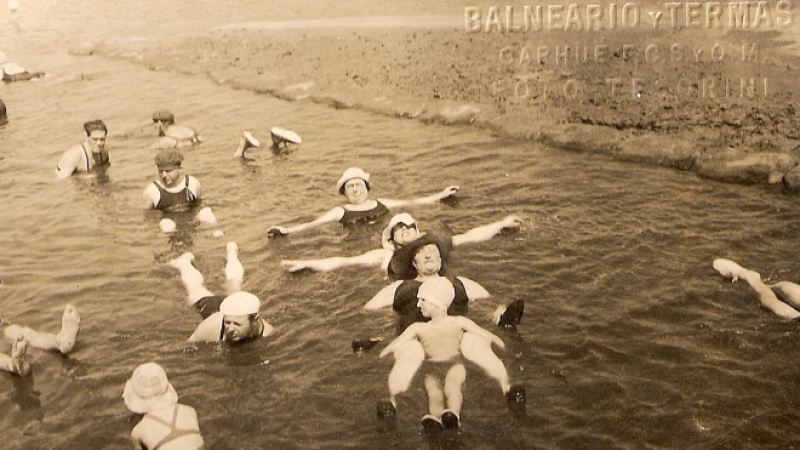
(486, 232)
(409, 334)
(331, 216)
(429, 200)
(469, 326)
(372, 258)
(384, 297)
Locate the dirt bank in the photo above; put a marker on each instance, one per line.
(717, 101)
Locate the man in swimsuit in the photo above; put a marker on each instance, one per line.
(174, 191)
(782, 298)
(167, 424)
(424, 258)
(171, 135)
(88, 155)
(354, 184)
(22, 337)
(440, 339)
(234, 318)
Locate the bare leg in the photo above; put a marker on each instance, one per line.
(70, 327)
(435, 396)
(788, 292)
(63, 342)
(478, 350)
(407, 360)
(234, 271)
(16, 362)
(191, 277)
(452, 388)
(453, 382)
(766, 296)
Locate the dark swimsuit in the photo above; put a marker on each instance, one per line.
(368, 216)
(174, 431)
(170, 201)
(405, 302)
(100, 159)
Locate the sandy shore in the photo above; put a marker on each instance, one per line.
(720, 102)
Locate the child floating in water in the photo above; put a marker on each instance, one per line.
(441, 342)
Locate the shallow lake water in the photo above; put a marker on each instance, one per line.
(630, 339)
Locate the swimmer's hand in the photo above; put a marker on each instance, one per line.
(512, 221)
(449, 191)
(277, 231)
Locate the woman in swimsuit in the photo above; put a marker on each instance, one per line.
(402, 230)
(354, 184)
(167, 424)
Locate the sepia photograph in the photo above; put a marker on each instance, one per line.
(399, 224)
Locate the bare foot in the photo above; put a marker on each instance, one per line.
(70, 326)
(19, 350)
(292, 266)
(185, 258)
(729, 269)
(232, 247)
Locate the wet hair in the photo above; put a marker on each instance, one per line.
(95, 125)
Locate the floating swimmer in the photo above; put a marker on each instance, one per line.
(354, 184)
(788, 306)
(234, 318)
(24, 337)
(423, 258)
(441, 341)
(11, 71)
(173, 136)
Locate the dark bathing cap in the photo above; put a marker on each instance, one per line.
(169, 159)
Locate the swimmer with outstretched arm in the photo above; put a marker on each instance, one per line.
(23, 337)
(423, 259)
(402, 230)
(354, 184)
(441, 341)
